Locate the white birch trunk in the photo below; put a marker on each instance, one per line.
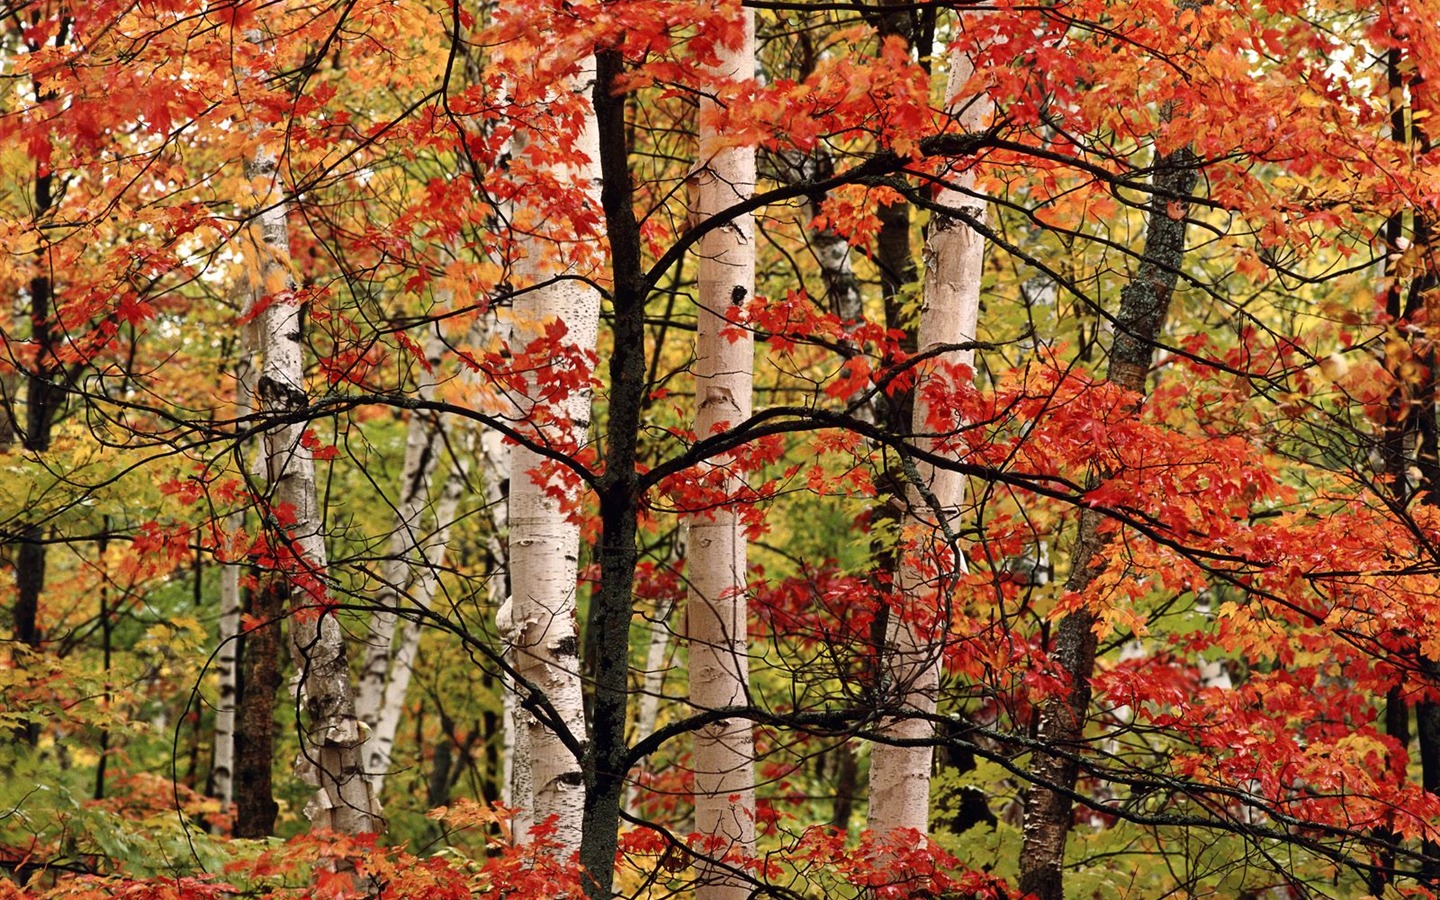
(423, 440)
(652, 684)
(330, 734)
(388, 669)
(954, 257)
(514, 758)
(544, 537)
(380, 746)
(724, 754)
(222, 779)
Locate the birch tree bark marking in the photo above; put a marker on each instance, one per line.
(222, 777)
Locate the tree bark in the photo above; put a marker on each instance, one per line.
(893, 243)
(544, 535)
(607, 755)
(931, 561)
(1425, 395)
(255, 807)
(42, 404)
(330, 734)
(44, 394)
(379, 748)
(846, 777)
(1413, 412)
(652, 682)
(724, 752)
(423, 440)
(222, 770)
(1144, 305)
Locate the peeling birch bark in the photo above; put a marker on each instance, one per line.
(330, 732)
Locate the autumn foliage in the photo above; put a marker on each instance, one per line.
(1245, 524)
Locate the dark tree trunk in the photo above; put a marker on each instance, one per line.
(43, 394)
(607, 756)
(1399, 422)
(1427, 460)
(437, 791)
(107, 630)
(1427, 728)
(1144, 304)
(490, 787)
(1397, 726)
(973, 807)
(255, 807)
(41, 399)
(847, 776)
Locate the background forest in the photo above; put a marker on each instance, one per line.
(720, 449)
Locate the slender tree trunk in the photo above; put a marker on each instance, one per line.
(715, 613)
(1397, 726)
(1414, 411)
(494, 462)
(514, 754)
(107, 637)
(898, 274)
(222, 771)
(517, 786)
(544, 535)
(652, 683)
(380, 746)
(893, 256)
(954, 258)
(1144, 304)
(843, 297)
(255, 806)
(42, 403)
(1427, 460)
(43, 394)
(423, 447)
(1399, 422)
(437, 787)
(618, 488)
(330, 734)
(847, 777)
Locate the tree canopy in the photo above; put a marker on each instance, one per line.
(730, 449)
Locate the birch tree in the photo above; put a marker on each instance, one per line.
(423, 442)
(222, 777)
(422, 585)
(544, 533)
(954, 256)
(330, 735)
(716, 609)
